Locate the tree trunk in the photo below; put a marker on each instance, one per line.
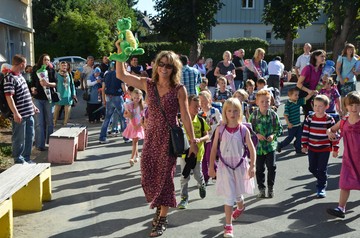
(195, 52)
(288, 52)
(343, 30)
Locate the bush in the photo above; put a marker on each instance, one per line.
(211, 48)
(4, 122)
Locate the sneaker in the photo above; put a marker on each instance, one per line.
(271, 193)
(261, 193)
(321, 193)
(183, 203)
(237, 213)
(115, 133)
(278, 148)
(228, 231)
(126, 140)
(202, 191)
(337, 212)
(104, 141)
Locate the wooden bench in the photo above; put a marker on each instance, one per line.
(23, 187)
(65, 143)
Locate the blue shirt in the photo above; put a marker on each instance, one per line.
(190, 78)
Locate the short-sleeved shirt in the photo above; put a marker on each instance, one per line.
(346, 68)
(190, 78)
(312, 77)
(16, 85)
(302, 61)
(218, 95)
(292, 110)
(225, 69)
(332, 94)
(198, 133)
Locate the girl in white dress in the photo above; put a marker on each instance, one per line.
(235, 175)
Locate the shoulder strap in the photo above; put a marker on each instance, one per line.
(202, 125)
(161, 108)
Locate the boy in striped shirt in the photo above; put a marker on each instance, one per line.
(292, 118)
(316, 143)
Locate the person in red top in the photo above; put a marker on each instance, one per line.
(316, 143)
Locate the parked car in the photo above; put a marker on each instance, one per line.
(75, 61)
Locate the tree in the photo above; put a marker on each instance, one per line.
(344, 21)
(287, 17)
(186, 21)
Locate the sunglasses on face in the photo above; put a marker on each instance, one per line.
(167, 66)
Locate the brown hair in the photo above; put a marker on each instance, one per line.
(18, 59)
(138, 92)
(348, 46)
(314, 54)
(352, 98)
(174, 60)
(250, 82)
(292, 91)
(322, 98)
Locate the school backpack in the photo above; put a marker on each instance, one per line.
(4, 107)
(253, 137)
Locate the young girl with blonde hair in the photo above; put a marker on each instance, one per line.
(235, 173)
(134, 110)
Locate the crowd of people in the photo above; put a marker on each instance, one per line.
(229, 113)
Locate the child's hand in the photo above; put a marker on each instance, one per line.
(197, 140)
(260, 137)
(335, 154)
(212, 172)
(251, 171)
(331, 135)
(290, 125)
(270, 138)
(304, 150)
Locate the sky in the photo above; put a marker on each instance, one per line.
(146, 5)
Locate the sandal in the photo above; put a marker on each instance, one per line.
(159, 228)
(156, 216)
(132, 162)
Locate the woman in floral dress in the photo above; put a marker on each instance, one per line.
(157, 166)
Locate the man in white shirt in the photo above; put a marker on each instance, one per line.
(276, 70)
(87, 71)
(303, 60)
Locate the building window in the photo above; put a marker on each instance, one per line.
(247, 3)
(247, 33)
(268, 36)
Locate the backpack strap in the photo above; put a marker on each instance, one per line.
(202, 125)
(219, 151)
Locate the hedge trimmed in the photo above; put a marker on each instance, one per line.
(211, 48)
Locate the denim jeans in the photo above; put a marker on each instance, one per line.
(22, 139)
(318, 163)
(44, 125)
(239, 84)
(269, 160)
(296, 132)
(113, 103)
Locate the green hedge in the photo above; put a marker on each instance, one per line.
(211, 48)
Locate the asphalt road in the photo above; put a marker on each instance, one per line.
(100, 196)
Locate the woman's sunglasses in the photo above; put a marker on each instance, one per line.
(167, 66)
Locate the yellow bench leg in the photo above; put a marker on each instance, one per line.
(30, 197)
(6, 219)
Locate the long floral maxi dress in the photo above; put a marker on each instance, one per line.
(157, 166)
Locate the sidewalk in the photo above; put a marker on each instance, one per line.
(100, 196)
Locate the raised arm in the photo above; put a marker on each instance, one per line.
(132, 80)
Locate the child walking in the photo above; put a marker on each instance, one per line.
(315, 142)
(201, 129)
(235, 173)
(292, 118)
(213, 118)
(134, 110)
(333, 94)
(266, 124)
(350, 169)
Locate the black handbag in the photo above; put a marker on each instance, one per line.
(178, 140)
(54, 95)
(86, 95)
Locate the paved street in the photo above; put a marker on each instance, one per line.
(100, 196)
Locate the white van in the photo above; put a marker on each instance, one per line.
(75, 61)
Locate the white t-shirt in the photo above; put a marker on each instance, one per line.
(302, 61)
(275, 67)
